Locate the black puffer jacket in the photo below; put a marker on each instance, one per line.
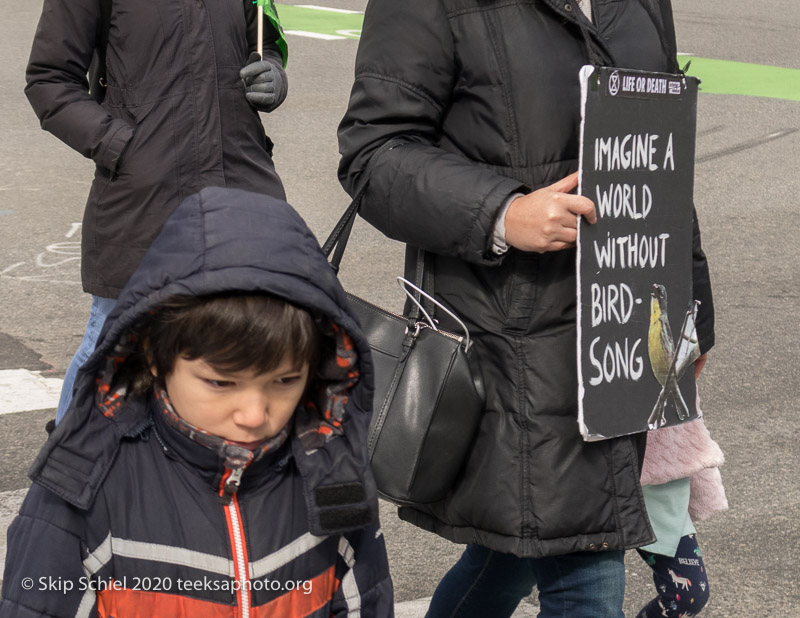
(483, 97)
(122, 496)
(174, 120)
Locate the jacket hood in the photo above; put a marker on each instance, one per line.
(217, 241)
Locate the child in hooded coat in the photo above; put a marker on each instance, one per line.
(215, 462)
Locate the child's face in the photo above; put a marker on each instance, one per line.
(243, 407)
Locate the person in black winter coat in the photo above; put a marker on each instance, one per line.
(215, 460)
(177, 116)
(463, 126)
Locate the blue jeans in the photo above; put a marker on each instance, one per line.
(487, 583)
(98, 313)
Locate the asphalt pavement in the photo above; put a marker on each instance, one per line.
(746, 189)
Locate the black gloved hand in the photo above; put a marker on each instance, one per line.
(264, 83)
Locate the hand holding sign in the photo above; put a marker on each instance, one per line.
(547, 219)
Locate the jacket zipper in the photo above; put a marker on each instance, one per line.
(228, 487)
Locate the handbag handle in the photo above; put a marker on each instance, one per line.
(337, 240)
(341, 231)
(405, 284)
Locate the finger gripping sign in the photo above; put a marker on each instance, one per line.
(636, 314)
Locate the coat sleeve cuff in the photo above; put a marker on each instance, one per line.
(499, 244)
(120, 138)
(484, 230)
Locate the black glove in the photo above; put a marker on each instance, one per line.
(264, 83)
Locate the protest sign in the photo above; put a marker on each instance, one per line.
(636, 339)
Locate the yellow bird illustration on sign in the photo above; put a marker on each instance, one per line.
(667, 362)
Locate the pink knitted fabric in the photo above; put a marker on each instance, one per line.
(707, 497)
(687, 450)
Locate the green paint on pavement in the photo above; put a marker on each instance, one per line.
(718, 76)
(321, 22)
(728, 77)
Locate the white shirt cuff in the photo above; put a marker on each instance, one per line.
(499, 244)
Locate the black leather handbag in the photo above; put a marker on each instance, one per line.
(429, 395)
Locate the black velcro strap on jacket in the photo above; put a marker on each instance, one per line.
(338, 495)
(342, 506)
(344, 518)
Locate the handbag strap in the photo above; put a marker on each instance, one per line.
(660, 12)
(341, 231)
(337, 240)
(97, 68)
(423, 279)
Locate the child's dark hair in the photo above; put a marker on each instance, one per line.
(231, 332)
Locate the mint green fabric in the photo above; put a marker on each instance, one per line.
(668, 509)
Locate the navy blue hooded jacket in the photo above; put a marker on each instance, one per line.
(125, 514)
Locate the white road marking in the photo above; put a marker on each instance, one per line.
(327, 8)
(314, 35)
(73, 230)
(418, 607)
(22, 390)
(10, 268)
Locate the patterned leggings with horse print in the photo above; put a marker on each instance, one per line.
(681, 582)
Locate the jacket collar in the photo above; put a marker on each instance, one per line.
(209, 463)
(233, 455)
